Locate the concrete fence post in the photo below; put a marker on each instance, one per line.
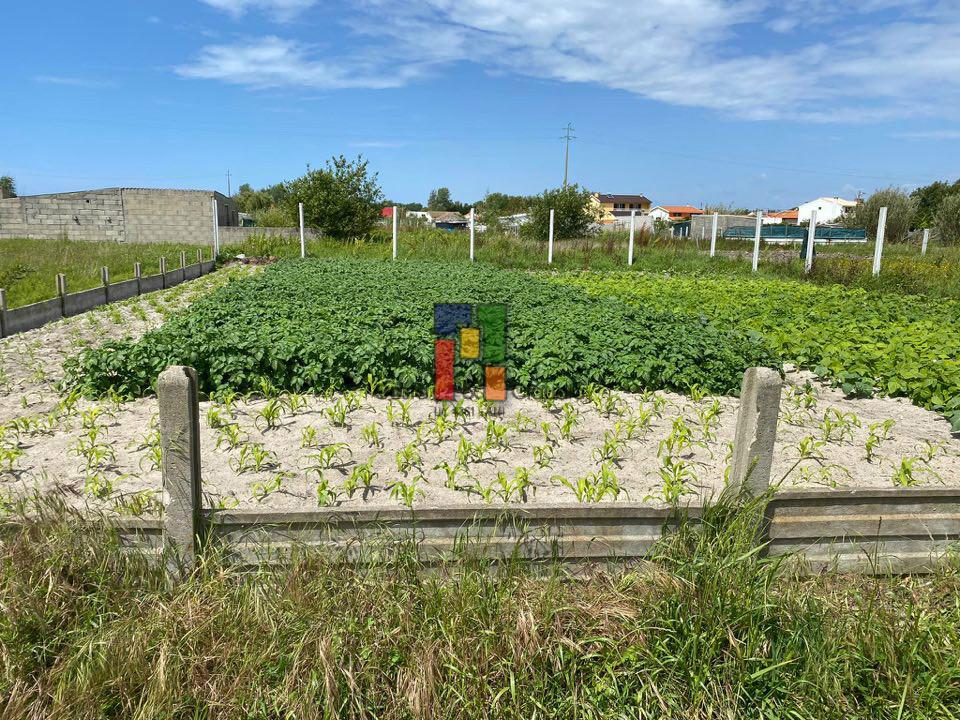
(756, 241)
(200, 258)
(633, 223)
(878, 246)
(3, 313)
(180, 467)
(138, 274)
(756, 431)
(713, 235)
(303, 237)
(163, 272)
(550, 241)
(395, 230)
(473, 222)
(925, 241)
(811, 239)
(183, 259)
(62, 293)
(105, 280)
(216, 229)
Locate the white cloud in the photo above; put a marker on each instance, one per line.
(69, 81)
(930, 135)
(282, 10)
(873, 60)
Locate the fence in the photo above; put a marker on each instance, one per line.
(30, 317)
(870, 531)
(796, 233)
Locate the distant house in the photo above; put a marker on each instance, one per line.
(674, 213)
(829, 209)
(610, 206)
(447, 220)
(788, 217)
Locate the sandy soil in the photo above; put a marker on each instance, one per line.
(295, 452)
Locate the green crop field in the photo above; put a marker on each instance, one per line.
(28, 267)
(319, 325)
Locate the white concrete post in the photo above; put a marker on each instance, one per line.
(878, 247)
(756, 241)
(3, 313)
(473, 216)
(303, 237)
(395, 237)
(811, 238)
(216, 230)
(180, 463)
(924, 242)
(633, 222)
(756, 431)
(713, 235)
(550, 241)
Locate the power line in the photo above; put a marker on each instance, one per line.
(566, 154)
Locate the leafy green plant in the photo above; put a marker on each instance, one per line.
(370, 434)
(408, 458)
(876, 433)
(593, 487)
(253, 457)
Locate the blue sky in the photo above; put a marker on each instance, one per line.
(756, 103)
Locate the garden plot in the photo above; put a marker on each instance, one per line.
(296, 452)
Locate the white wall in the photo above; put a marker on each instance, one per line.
(828, 210)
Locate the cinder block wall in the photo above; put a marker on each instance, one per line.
(184, 216)
(91, 215)
(120, 214)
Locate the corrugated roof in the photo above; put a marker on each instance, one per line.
(612, 198)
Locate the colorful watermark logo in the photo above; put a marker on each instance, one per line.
(479, 334)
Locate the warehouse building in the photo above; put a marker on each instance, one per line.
(133, 215)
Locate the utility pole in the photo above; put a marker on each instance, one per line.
(568, 136)
(229, 194)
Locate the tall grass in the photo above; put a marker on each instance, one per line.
(936, 275)
(28, 267)
(709, 628)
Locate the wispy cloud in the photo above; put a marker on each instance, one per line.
(930, 135)
(866, 61)
(378, 144)
(79, 82)
(282, 10)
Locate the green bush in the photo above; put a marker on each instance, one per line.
(901, 211)
(315, 325)
(574, 214)
(947, 220)
(341, 201)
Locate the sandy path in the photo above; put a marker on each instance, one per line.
(647, 455)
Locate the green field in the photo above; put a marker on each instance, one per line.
(28, 268)
(709, 628)
(319, 325)
(904, 270)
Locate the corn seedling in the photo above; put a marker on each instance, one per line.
(675, 476)
(543, 455)
(876, 433)
(594, 487)
(230, 435)
(262, 490)
(371, 435)
(611, 450)
(398, 412)
(337, 413)
(330, 456)
(569, 421)
(268, 418)
(451, 472)
(496, 435)
(509, 489)
(407, 458)
(605, 401)
(253, 457)
(406, 491)
(293, 402)
(838, 426)
(326, 495)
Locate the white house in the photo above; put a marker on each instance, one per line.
(829, 209)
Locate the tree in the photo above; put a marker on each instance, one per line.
(8, 188)
(251, 201)
(575, 214)
(440, 200)
(947, 219)
(901, 210)
(498, 204)
(928, 199)
(343, 200)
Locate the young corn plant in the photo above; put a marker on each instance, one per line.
(451, 472)
(509, 489)
(496, 434)
(268, 418)
(326, 494)
(406, 491)
(310, 438)
(398, 412)
(675, 476)
(611, 450)
(337, 413)
(838, 426)
(568, 422)
(334, 455)
(605, 401)
(262, 490)
(876, 433)
(594, 487)
(364, 475)
(408, 458)
(370, 434)
(230, 436)
(253, 457)
(543, 455)
(293, 402)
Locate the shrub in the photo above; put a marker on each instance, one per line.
(342, 201)
(901, 211)
(947, 221)
(575, 214)
(315, 325)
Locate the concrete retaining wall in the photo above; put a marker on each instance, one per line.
(234, 235)
(31, 317)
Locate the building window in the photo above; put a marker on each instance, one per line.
(618, 206)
